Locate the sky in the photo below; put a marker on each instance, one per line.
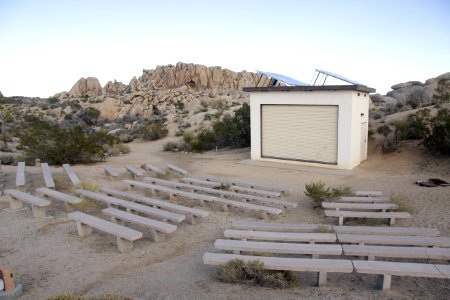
(47, 45)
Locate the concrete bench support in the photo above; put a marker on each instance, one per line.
(38, 205)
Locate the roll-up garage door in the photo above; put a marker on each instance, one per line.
(300, 132)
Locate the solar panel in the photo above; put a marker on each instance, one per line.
(338, 77)
(283, 78)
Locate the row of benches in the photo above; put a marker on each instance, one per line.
(21, 179)
(140, 172)
(302, 239)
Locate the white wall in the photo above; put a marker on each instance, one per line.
(349, 121)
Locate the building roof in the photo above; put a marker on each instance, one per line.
(310, 88)
(283, 78)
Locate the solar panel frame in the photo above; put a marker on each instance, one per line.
(283, 78)
(337, 76)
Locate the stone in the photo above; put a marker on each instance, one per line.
(115, 87)
(1, 95)
(86, 87)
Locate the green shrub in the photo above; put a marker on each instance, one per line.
(170, 146)
(384, 130)
(55, 145)
(154, 131)
(438, 139)
(7, 159)
(442, 93)
(237, 271)
(418, 124)
(179, 105)
(319, 192)
(89, 115)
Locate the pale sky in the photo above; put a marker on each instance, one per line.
(46, 46)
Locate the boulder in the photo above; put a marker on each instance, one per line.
(1, 95)
(86, 87)
(115, 87)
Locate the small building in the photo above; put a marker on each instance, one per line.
(313, 125)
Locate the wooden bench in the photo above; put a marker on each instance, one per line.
(360, 206)
(176, 169)
(131, 206)
(341, 214)
(222, 193)
(279, 227)
(371, 252)
(154, 169)
(287, 248)
(321, 266)
(298, 237)
(385, 270)
(38, 205)
(191, 213)
(136, 172)
(363, 199)
(20, 175)
(367, 193)
(111, 172)
(58, 195)
(48, 178)
(424, 241)
(387, 230)
(244, 184)
(231, 187)
(125, 236)
(158, 229)
(173, 193)
(71, 174)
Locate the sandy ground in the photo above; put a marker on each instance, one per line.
(49, 258)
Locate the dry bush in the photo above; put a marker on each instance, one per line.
(237, 271)
(402, 205)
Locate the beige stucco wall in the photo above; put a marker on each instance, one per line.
(349, 121)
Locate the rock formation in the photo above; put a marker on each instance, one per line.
(1, 95)
(86, 87)
(413, 93)
(114, 87)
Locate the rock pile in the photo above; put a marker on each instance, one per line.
(86, 87)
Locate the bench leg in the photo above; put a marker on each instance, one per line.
(341, 221)
(391, 221)
(117, 221)
(263, 215)
(39, 212)
(124, 246)
(225, 207)
(191, 219)
(157, 236)
(172, 197)
(83, 229)
(130, 187)
(384, 282)
(15, 204)
(370, 258)
(321, 278)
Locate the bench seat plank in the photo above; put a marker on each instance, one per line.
(20, 174)
(359, 206)
(281, 236)
(154, 169)
(244, 184)
(444, 269)
(394, 240)
(232, 187)
(283, 263)
(397, 268)
(58, 195)
(280, 227)
(106, 226)
(368, 193)
(223, 193)
(28, 198)
(137, 172)
(159, 203)
(48, 178)
(288, 248)
(341, 214)
(354, 199)
(176, 169)
(387, 230)
(71, 174)
(110, 171)
(204, 198)
(128, 217)
(159, 213)
(396, 252)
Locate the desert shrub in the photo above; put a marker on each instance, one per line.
(179, 132)
(123, 148)
(418, 124)
(154, 131)
(55, 145)
(207, 117)
(384, 130)
(170, 146)
(319, 192)
(442, 92)
(89, 115)
(371, 134)
(237, 271)
(222, 186)
(377, 115)
(219, 104)
(402, 205)
(438, 139)
(7, 160)
(399, 105)
(179, 105)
